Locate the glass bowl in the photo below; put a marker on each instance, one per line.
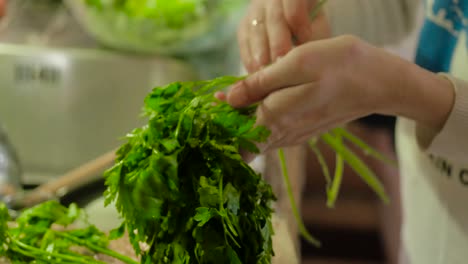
(210, 24)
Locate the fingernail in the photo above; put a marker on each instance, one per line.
(237, 96)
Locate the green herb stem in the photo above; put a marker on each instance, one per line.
(368, 150)
(297, 216)
(323, 164)
(337, 179)
(97, 248)
(357, 165)
(28, 250)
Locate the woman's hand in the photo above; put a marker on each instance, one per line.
(326, 83)
(270, 26)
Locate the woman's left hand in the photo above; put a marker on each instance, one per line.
(323, 84)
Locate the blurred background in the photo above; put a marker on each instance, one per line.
(73, 76)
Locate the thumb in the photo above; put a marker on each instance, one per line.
(260, 84)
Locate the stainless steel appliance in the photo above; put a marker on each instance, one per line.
(63, 99)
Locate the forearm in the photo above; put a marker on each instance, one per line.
(428, 98)
(377, 21)
(410, 91)
(407, 90)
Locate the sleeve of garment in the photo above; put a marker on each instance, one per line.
(452, 140)
(376, 21)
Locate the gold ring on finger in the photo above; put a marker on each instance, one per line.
(256, 22)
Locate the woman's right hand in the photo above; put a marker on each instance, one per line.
(327, 83)
(272, 27)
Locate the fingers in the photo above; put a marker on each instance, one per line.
(244, 46)
(279, 35)
(255, 87)
(295, 114)
(252, 38)
(259, 46)
(268, 30)
(220, 96)
(265, 33)
(284, 73)
(286, 113)
(306, 63)
(296, 14)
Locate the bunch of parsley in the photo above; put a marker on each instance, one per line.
(180, 184)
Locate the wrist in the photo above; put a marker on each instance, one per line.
(423, 96)
(380, 78)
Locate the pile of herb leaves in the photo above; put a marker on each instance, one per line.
(44, 234)
(181, 185)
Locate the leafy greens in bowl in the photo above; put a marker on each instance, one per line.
(159, 26)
